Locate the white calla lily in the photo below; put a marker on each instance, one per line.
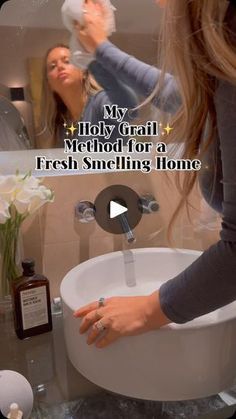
(8, 186)
(31, 182)
(4, 211)
(25, 193)
(20, 196)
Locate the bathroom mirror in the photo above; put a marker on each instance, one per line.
(27, 29)
(13, 132)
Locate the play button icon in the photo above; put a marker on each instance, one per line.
(117, 209)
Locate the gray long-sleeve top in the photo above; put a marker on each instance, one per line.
(210, 282)
(114, 92)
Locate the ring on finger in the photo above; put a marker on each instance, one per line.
(101, 302)
(100, 326)
(84, 11)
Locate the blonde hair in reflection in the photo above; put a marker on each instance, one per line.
(53, 110)
(197, 48)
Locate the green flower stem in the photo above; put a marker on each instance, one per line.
(9, 234)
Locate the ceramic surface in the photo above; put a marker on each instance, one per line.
(177, 362)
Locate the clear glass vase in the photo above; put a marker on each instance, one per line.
(9, 256)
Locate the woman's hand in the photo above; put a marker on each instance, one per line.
(121, 316)
(93, 32)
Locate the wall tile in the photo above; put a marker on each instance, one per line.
(58, 259)
(58, 241)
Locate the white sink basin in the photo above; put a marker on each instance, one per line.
(177, 362)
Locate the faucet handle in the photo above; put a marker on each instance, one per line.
(85, 211)
(148, 204)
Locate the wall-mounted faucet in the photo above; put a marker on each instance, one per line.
(148, 204)
(126, 228)
(85, 211)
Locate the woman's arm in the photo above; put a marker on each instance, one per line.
(115, 91)
(141, 77)
(210, 282)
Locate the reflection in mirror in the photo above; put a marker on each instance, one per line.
(13, 132)
(28, 28)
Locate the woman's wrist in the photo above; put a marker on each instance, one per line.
(156, 316)
(98, 42)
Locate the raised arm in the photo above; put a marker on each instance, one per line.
(115, 91)
(141, 77)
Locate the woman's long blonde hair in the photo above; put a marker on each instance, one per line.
(197, 48)
(53, 110)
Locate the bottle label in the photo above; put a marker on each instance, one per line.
(34, 307)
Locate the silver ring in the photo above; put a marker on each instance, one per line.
(100, 326)
(101, 302)
(85, 11)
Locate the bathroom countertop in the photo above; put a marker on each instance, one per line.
(60, 392)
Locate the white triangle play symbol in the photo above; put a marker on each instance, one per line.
(116, 209)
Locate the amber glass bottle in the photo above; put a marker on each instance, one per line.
(31, 300)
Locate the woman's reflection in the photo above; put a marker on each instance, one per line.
(71, 95)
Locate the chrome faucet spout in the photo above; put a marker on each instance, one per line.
(126, 228)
